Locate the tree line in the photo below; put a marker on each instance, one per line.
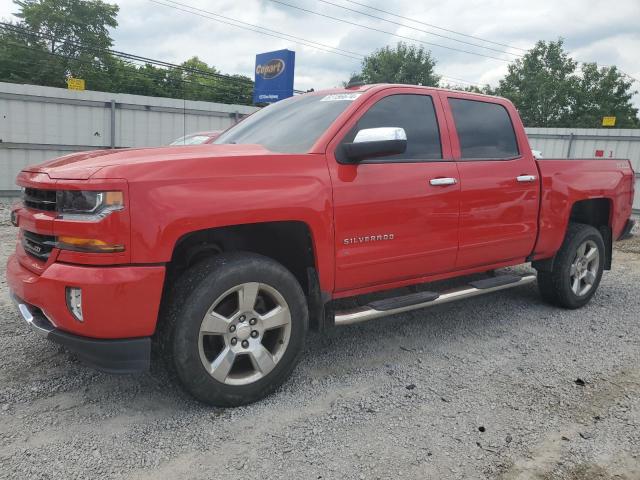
(57, 39)
(549, 88)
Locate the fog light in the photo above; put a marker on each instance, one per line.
(74, 302)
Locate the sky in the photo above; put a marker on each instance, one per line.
(602, 31)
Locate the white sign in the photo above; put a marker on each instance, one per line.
(339, 97)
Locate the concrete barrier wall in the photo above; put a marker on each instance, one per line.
(41, 123)
(590, 143)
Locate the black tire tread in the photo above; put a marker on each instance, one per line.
(182, 291)
(554, 286)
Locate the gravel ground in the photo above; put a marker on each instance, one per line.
(501, 386)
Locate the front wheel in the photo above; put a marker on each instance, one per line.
(577, 268)
(237, 327)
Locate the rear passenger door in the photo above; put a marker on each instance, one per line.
(499, 184)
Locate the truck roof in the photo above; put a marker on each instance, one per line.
(382, 86)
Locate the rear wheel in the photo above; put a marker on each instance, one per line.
(577, 268)
(236, 328)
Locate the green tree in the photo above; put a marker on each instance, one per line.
(23, 59)
(70, 27)
(403, 64)
(542, 84)
(550, 89)
(56, 39)
(60, 38)
(203, 82)
(604, 92)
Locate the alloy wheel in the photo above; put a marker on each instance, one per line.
(584, 268)
(245, 333)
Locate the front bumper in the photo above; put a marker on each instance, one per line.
(117, 302)
(129, 355)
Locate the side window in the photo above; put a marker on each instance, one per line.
(414, 113)
(484, 130)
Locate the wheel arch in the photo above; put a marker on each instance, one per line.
(291, 243)
(596, 212)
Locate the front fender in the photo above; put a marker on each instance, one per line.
(288, 188)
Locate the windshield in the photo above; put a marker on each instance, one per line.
(190, 140)
(289, 126)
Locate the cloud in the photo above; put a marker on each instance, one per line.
(593, 31)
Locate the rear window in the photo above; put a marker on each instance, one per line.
(484, 129)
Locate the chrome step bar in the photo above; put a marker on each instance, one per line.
(367, 312)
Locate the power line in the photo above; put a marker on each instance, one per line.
(630, 76)
(624, 74)
(235, 81)
(137, 58)
(130, 84)
(313, 12)
(461, 80)
(128, 56)
(359, 55)
(166, 81)
(261, 28)
(417, 29)
(146, 60)
(435, 26)
(85, 62)
(255, 28)
(348, 53)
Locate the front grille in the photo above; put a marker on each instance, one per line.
(38, 246)
(39, 199)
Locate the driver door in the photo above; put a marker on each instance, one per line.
(396, 217)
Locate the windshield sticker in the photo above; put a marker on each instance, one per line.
(339, 97)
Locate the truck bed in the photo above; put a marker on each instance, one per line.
(566, 181)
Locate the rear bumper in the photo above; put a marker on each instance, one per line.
(626, 231)
(129, 355)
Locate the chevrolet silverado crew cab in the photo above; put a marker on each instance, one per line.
(220, 257)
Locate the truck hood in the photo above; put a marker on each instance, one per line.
(83, 165)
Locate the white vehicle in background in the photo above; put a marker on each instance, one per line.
(537, 154)
(198, 138)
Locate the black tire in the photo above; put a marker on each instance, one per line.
(556, 286)
(191, 298)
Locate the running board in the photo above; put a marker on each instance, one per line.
(414, 301)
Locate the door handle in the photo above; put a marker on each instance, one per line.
(440, 182)
(526, 178)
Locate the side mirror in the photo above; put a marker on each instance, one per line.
(376, 142)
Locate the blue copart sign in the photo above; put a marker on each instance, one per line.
(274, 76)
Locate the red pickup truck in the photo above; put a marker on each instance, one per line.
(222, 256)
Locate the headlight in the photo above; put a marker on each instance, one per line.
(87, 205)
